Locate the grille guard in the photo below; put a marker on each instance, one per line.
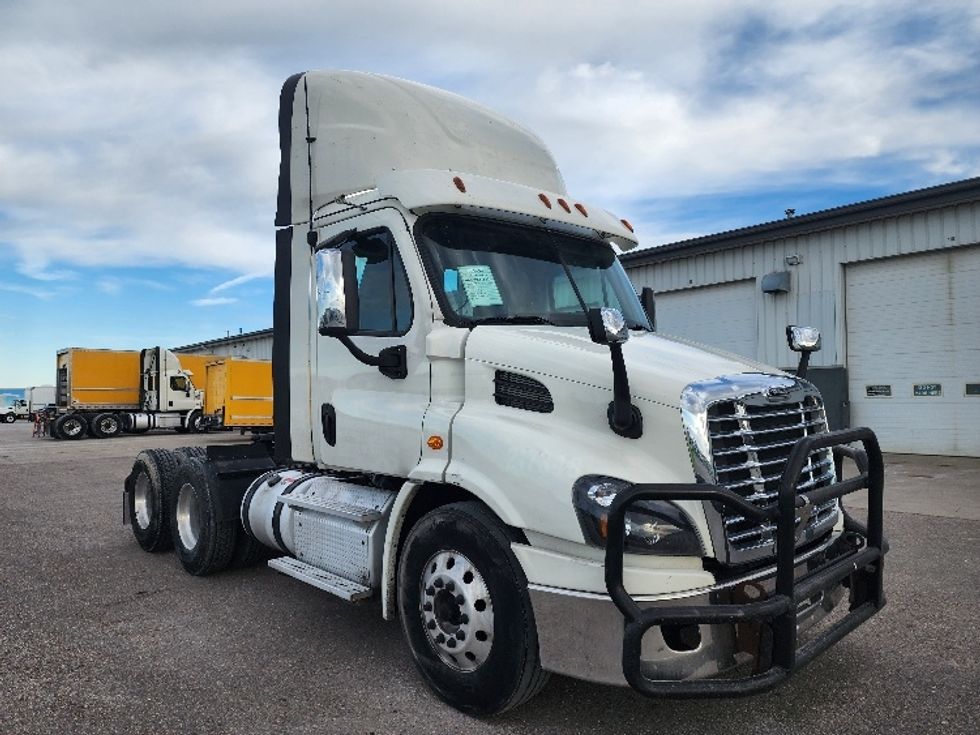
(863, 567)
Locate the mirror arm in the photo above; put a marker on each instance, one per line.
(624, 418)
(804, 364)
(391, 361)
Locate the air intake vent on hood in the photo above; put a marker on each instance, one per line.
(520, 391)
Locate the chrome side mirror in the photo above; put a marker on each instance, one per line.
(803, 339)
(336, 292)
(607, 326)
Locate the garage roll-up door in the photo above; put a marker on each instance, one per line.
(722, 316)
(913, 351)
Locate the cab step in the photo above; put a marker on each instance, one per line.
(335, 507)
(326, 581)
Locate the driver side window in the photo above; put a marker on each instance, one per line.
(385, 300)
(179, 383)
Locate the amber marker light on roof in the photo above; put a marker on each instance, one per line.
(581, 210)
(545, 199)
(435, 442)
(459, 184)
(564, 205)
(627, 225)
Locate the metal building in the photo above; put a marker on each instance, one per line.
(253, 345)
(892, 283)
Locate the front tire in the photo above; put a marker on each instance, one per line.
(9, 418)
(466, 612)
(204, 544)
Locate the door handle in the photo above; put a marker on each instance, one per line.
(328, 421)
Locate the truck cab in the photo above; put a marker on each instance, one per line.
(475, 421)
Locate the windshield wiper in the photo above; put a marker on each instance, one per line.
(516, 319)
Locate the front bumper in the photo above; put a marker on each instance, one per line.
(674, 645)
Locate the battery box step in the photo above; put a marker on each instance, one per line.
(326, 581)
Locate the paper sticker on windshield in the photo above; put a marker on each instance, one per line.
(480, 286)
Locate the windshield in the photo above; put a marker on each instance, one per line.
(494, 273)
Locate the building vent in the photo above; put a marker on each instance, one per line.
(520, 391)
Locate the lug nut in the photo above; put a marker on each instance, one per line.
(461, 635)
(438, 583)
(460, 599)
(464, 618)
(432, 624)
(450, 586)
(451, 643)
(440, 638)
(430, 591)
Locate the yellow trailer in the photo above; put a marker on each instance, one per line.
(98, 379)
(238, 394)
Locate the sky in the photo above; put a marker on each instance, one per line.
(139, 141)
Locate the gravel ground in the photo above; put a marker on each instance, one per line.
(99, 637)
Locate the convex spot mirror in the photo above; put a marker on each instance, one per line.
(336, 291)
(607, 326)
(803, 339)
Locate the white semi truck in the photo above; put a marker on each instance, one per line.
(475, 423)
(107, 392)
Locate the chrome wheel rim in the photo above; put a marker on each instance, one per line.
(72, 427)
(188, 517)
(141, 501)
(456, 611)
(109, 425)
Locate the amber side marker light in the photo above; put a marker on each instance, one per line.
(545, 199)
(581, 210)
(627, 225)
(435, 442)
(564, 205)
(459, 184)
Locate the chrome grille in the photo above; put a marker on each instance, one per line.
(750, 444)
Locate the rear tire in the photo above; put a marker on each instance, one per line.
(466, 613)
(70, 426)
(105, 426)
(150, 487)
(204, 545)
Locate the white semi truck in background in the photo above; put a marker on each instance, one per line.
(103, 393)
(36, 398)
(475, 423)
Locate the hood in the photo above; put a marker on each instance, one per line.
(659, 367)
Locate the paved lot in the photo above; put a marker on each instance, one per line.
(97, 636)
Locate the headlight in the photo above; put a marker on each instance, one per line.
(652, 526)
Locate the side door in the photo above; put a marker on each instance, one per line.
(364, 420)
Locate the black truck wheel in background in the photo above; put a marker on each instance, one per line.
(150, 487)
(195, 422)
(433, 607)
(204, 545)
(105, 426)
(70, 426)
(9, 418)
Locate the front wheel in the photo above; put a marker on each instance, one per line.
(466, 612)
(9, 418)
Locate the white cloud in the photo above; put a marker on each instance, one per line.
(214, 301)
(238, 281)
(148, 137)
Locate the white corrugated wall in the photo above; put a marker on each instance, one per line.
(817, 294)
